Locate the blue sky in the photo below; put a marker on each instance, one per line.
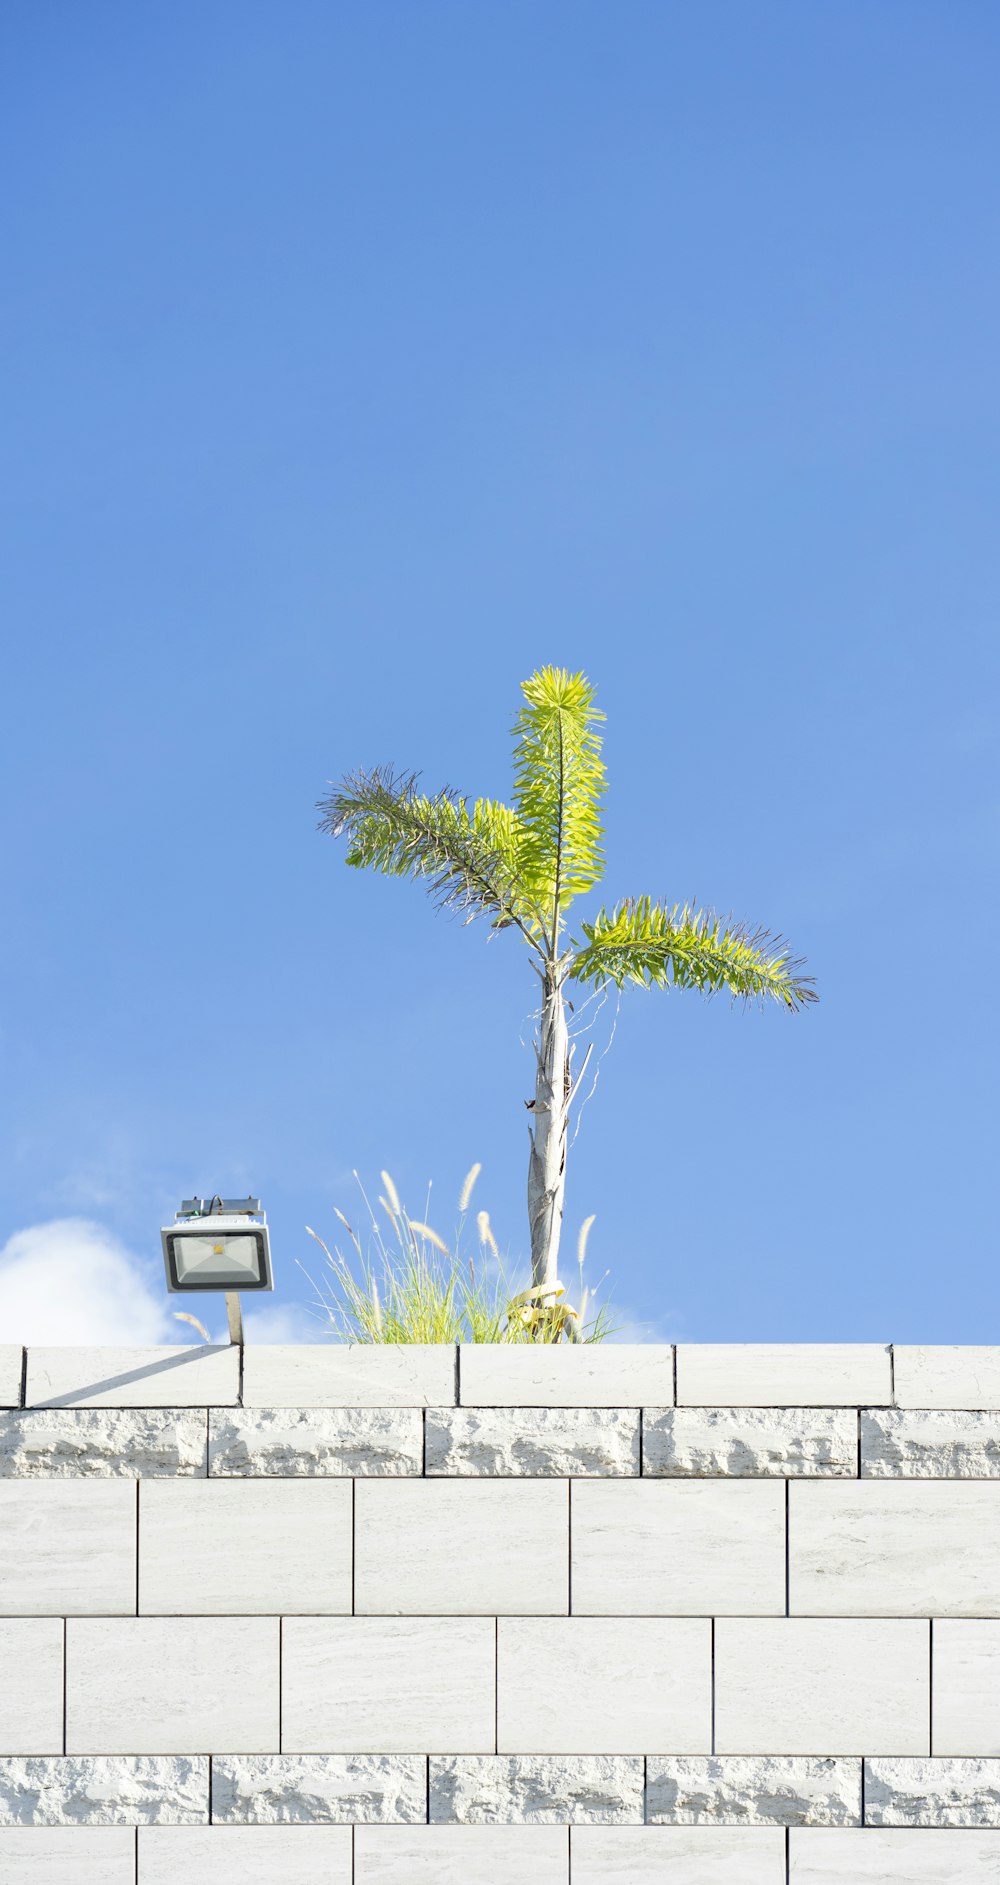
(359, 359)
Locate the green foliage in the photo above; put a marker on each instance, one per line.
(559, 779)
(642, 941)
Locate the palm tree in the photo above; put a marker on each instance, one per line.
(521, 866)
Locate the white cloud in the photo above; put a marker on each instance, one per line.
(71, 1280)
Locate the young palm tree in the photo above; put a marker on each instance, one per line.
(521, 866)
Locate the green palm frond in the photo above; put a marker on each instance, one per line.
(642, 941)
(559, 779)
(471, 858)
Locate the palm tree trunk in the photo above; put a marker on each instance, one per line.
(549, 1125)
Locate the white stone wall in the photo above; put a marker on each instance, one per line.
(366, 1616)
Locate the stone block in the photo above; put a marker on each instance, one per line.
(68, 1547)
(319, 1789)
(912, 1443)
(395, 1684)
(783, 1374)
(883, 1548)
(750, 1443)
(31, 1685)
(461, 1855)
(317, 1442)
(814, 1685)
(738, 1790)
(537, 1789)
(253, 1546)
(194, 1376)
(103, 1443)
(967, 1686)
(932, 1793)
(434, 1547)
(678, 1855)
(824, 1856)
(11, 1364)
(106, 1790)
(656, 1547)
(166, 1685)
(966, 1377)
(67, 1855)
(340, 1374)
(604, 1685)
(245, 1855)
(532, 1442)
(591, 1374)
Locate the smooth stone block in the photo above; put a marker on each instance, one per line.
(103, 1443)
(532, 1442)
(821, 1685)
(522, 1789)
(949, 1792)
(391, 1684)
(195, 1376)
(107, 1790)
(783, 1374)
(911, 1443)
(165, 1685)
(337, 1374)
(313, 1442)
(320, 1789)
(11, 1364)
(461, 1547)
(967, 1686)
(31, 1685)
(604, 1685)
(755, 1443)
(67, 1855)
(68, 1547)
(218, 1547)
(461, 1855)
(908, 1547)
(245, 1855)
(655, 1547)
(590, 1374)
(874, 1857)
(739, 1790)
(947, 1377)
(678, 1855)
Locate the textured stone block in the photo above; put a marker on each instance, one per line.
(591, 1374)
(783, 1374)
(229, 1546)
(245, 1855)
(814, 1685)
(108, 1790)
(678, 1547)
(967, 1686)
(734, 1790)
(751, 1443)
(438, 1547)
(947, 1377)
(533, 1442)
(604, 1685)
(949, 1792)
(67, 1855)
(461, 1855)
(910, 1443)
(521, 1789)
(103, 1443)
(68, 1547)
(133, 1377)
(335, 1374)
(873, 1857)
(314, 1442)
(31, 1685)
(905, 1548)
(395, 1684)
(165, 1685)
(321, 1789)
(678, 1855)
(11, 1363)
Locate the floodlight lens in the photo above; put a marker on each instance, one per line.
(218, 1260)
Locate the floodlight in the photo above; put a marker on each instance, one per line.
(220, 1244)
